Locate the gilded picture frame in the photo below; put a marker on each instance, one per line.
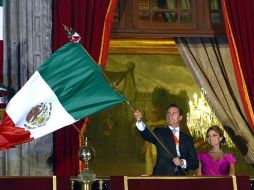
(142, 45)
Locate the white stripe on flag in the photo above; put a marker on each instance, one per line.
(35, 91)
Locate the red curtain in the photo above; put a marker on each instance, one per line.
(239, 23)
(1, 60)
(92, 20)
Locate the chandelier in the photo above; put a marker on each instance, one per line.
(201, 117)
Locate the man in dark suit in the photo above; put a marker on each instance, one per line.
(180, 145)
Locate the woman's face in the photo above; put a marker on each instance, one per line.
(213, 138)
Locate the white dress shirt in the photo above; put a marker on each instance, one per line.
(176, 132)
(140, 125)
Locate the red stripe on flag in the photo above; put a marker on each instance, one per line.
(11, 135)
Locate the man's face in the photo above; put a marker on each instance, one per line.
(173, 117)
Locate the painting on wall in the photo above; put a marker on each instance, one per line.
(150, 79)
(151, 74)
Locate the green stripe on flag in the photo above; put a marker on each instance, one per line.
(78, 82)
(1, 3)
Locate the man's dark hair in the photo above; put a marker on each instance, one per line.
(176, 106)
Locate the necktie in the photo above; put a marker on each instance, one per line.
(176, 142)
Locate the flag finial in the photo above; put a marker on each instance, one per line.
(72, 35)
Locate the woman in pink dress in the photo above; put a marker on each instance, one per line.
(215, 162)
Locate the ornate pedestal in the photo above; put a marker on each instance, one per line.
(100, 183)
(87, 179)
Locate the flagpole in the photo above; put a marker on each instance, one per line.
(75, 127)
(171, 156)
(151, 131)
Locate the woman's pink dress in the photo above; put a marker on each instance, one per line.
(211, 167)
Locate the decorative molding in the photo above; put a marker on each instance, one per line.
(143, 46)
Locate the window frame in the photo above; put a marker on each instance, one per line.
(129, 24)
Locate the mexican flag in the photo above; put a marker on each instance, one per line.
(67, 87)
(1, 39)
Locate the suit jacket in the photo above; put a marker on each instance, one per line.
(164, 164)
